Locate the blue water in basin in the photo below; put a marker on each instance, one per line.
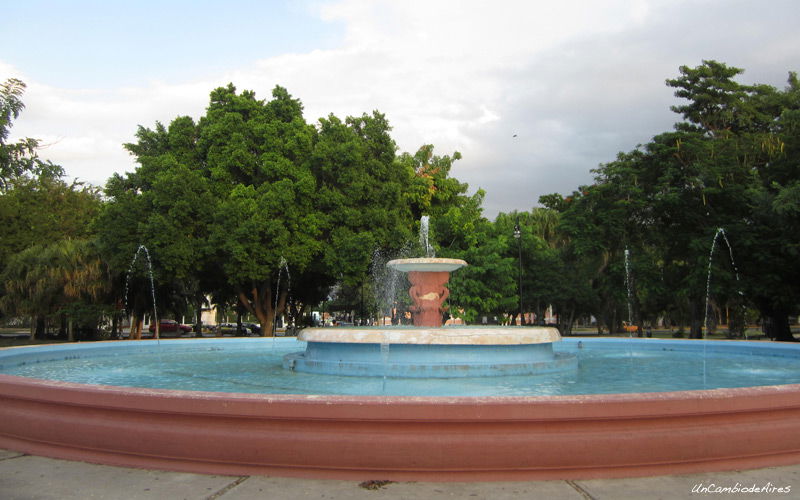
(605, 366)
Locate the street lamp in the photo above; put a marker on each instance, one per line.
(517, 236)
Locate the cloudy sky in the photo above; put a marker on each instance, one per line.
(534, 94)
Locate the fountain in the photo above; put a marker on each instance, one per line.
(429, 350)
(492, 404)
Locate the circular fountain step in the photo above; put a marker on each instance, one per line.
(430, 352)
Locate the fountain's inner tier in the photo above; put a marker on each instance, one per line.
(430, 352)
(426, 264)
(427, 336)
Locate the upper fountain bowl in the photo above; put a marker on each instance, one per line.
(426, 264)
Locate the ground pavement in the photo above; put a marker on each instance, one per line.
(26, 477)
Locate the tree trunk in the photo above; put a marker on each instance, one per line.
(70, 332)
(198, 324)
(115, 325)
(539, 313)
(566, 326)
(62, 327)
(776, 326)
(259, 302)
(40, 327)
(239, 312)
(136, 328)
(696, 319)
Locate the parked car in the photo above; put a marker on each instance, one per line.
(254, 328)
(231, 329)
(170, 326)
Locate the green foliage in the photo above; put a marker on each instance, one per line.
(360, 193)
(18, 159)
(42, 210)
(431, 190)
(718, 104)
(48, 279)
(487, 285)
(732, 164)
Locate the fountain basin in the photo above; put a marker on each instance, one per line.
(430, 352)
(404, 437)
(426, 264)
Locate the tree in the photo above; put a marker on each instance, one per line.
(65, 277)
(431, 190)
(18, 159)
(177, 207)
(747, 129)
(487, 286)
(166, 206)
(258, 154)
(732, 164)
(360, 194)
(42, 210)
(718, 105)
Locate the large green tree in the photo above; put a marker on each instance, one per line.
(18, 159)
(361, 195)
(222, 204)
(730, 164)
(258, 155)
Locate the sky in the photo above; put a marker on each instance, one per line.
(533, 94)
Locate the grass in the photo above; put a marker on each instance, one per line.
(753, 333)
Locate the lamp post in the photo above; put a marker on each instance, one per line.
(517, 236)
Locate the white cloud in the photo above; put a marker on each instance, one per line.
(576, 81)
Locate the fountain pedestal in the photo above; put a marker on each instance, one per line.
(428, 291)
(428, 277)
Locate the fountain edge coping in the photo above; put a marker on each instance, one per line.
(426, 264)
(433, 336)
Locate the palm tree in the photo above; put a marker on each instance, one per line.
(46, 280)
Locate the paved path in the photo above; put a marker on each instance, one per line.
(26, 477)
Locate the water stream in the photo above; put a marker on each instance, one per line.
(720, 232)
(630, 290)
(424, 228)
(283, 266)
(384, 358)
(152, 285)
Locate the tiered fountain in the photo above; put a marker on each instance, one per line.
(429, 349)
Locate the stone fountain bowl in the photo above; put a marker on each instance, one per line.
(420, 352)
(426, 264)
